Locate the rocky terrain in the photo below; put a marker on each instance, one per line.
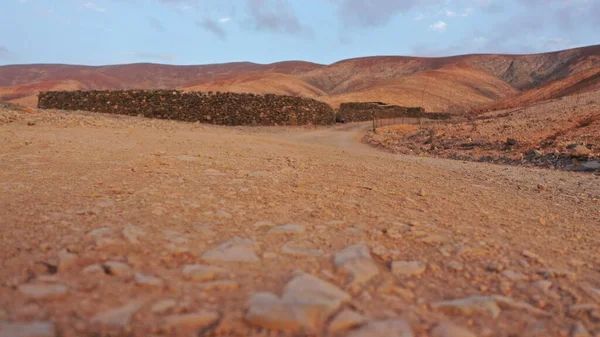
(124, 226)
(561, 133)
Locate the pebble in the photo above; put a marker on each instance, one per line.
(346, 320)
(163, 306)
(198, 272)
(43, 291)
(150, 281)
(542, 285)
(223, 214)
(235, 250)
(514, 276)
(450, 330)
(287, 229)
(469, 306)
(357, 261)
(395, 327)
(132, 234)
(495, 267)
(454, 265)
(66, 260)
(94, 269)
(557, 273)
(192, 321)
(408, 268)
(118, 269)
(306, 304)
(219, 285)
(119, 317)
(29, 329)
(294, 250)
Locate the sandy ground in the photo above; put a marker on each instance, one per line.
(122, 226)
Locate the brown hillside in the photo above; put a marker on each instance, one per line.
(455, 83)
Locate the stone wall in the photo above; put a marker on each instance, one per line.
(218, 108)
(363, 111)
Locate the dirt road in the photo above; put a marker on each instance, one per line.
(126, 226)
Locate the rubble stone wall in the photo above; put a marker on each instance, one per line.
(214, 108)
(363, 111)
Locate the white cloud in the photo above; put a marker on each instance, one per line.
(419, 17)
(439, 27)
(92, 6)
(450, 13)
(224, 20)
(467, 12)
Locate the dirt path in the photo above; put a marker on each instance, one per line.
(128, 226)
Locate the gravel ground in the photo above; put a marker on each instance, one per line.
(123, 226)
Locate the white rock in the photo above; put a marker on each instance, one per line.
(43, 291)
(287, 229)
(119, 317)
(94, 269)
(199, 272)
(163, 306)
(132, 234)
(306, 304)
(262, 224)
(66, 260)
(149, 281)
(346, 320)
(236, 250)
(119, 269)
(408, 268)
(470, 306)
(218, 285)
(294, 250)
(357, 261)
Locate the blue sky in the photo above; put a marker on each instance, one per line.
(98, 32)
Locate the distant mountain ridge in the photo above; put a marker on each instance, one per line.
(442, 84)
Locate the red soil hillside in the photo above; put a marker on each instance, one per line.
(582, 82)
(457, 83)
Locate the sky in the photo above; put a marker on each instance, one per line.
(100, 32)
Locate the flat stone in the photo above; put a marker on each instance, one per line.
(118, 317)
(357, 261)
(346, 320)
(29, 329)
(192, 321)
(509, 303)
(306, 304)
(148, 281)
(132, 234)
(199, 272)
(557, 273)
(408, 268)
(43, 291)
(99, 232)
(455, 265)
(395, 327)
(469, 306)
(287, 229)
(294, 250)
(219, 285)
(119, 269)
(163, 306)
(223, 214)
(94, 269)
(514, 276)
(450, 330)
(235, 250)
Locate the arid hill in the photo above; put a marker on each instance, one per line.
(457, 83)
